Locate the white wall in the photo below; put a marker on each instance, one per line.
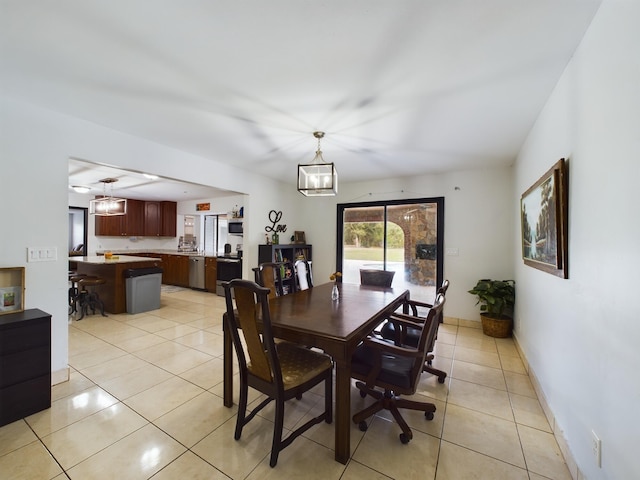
(478, 222)
(35, 145)
(581, 336)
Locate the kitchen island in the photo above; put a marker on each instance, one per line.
(113, 292)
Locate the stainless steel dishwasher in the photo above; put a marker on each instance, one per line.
(196, 272)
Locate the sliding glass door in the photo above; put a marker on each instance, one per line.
(405, 236)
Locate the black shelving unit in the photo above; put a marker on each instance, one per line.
(287, 255)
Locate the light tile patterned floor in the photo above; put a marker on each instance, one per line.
(145, 401)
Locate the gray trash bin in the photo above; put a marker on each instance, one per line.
(143, 289)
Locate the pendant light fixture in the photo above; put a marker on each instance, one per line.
(318, 178)
(108, 205)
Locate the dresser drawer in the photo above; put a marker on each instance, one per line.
(21, 366)
(23, 399)
(14, 338)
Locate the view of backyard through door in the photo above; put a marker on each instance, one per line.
(404, 236)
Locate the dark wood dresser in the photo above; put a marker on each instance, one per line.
(25, 364)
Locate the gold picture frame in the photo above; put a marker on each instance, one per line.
(299, 237)
(543, 216)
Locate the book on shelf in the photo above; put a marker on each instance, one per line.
(301, 254)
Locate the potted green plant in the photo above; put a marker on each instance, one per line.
(496, 299)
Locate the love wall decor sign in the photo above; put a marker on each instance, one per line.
(274, 228)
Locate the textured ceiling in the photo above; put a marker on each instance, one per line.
(401, 87)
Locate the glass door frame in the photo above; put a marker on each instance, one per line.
(439, 203)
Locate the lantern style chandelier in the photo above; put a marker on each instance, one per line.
(108, 205)
(318, 178)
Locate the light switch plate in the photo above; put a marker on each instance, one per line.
(42, 254)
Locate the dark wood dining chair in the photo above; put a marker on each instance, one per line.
(396, 371)
(375, 277)
(281, 371)
(269, 276)
(406, 335)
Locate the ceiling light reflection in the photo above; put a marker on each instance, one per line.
(150, 458)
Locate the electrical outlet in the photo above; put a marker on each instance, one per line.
(596, 448)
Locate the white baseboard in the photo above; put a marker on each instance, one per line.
(575, 472)
(60, 376)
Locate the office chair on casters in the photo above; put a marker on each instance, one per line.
(409, 336)
(281, 371)
(375, 277)
(395, 369)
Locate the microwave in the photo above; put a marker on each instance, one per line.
(235, 227)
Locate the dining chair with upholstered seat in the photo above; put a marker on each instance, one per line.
(281, 371)
(395, 369)
(410, 336)
(376, 277)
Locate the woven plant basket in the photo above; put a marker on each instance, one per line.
(496, 327)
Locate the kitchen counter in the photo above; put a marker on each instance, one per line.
(158, 252)
(101, 260)
(113, 292)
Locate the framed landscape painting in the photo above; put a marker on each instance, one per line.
(543, 213)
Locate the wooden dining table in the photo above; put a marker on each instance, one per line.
(310, 317)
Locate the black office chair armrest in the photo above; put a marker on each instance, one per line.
(413, 305)
(382, 346)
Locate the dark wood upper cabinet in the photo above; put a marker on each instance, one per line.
(169, 214)
(151, 219)
(133, 222)
(108, 226)
(160, 219)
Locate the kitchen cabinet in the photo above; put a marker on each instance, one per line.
(129, 225)
(210, 273)
(169, 219)
(160, 219)
(153, 219)
(287, 254)
(113, 293)
(25, 364)
(133, 222)
(108, 226)
(176, 270)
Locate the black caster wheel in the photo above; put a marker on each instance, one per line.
(404, 438)
(363, 394)
(428, 415)
(363, 426)
(440, 379)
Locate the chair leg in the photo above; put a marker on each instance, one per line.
(242, 411)
(276, 445)
(372, 409)
(434, 371)
(406, 434)
(328, 399)
(389, 401)
(83, 302)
